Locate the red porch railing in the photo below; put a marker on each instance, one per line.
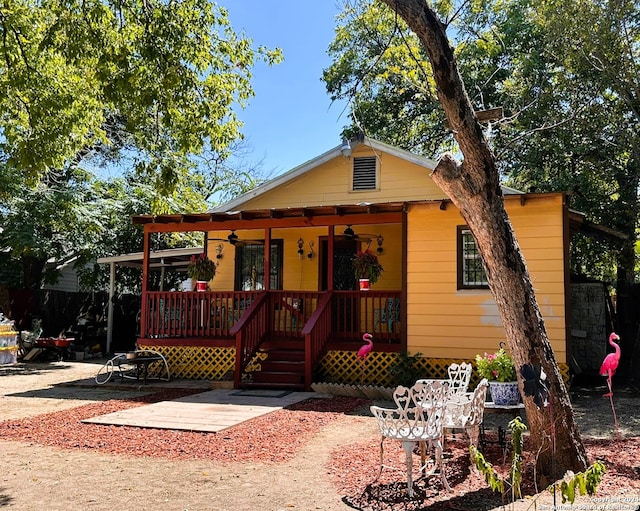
(214, 314)
(316, 334)
(376, 312)
(250, 331)
(194, 314)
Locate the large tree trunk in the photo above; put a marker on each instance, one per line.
(32, 271)
(474, 188)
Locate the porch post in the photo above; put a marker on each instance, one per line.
(267, 259)
(145, 278)
(330, 244)
(112, 285)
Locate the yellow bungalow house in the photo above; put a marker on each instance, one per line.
(284, 308)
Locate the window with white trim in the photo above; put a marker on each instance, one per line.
(471, 273)
(365, 173)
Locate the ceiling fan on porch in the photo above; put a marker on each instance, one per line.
(350, 235)
(234, 239)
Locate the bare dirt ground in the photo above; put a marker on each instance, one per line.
(305, 461)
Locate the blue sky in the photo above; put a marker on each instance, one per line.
(291, 119)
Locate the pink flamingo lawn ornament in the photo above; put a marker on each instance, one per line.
(608, 369)
(610, 362)
(364, 351)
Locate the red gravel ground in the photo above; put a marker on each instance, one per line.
(276, 437)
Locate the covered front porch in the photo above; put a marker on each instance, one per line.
(275, 331)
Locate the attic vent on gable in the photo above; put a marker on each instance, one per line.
(364, 173)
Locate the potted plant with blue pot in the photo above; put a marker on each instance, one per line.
(498, 368)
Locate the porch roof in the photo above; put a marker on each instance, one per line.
(172, 257)
(364, 213)
(307, 216)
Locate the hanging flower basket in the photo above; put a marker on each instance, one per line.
(367, 267)
(202, 270)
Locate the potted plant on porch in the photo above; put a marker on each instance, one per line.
(201, 269)
(500, 370)
(367, 268)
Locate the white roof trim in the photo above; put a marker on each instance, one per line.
(155, 254)
(234, 204)
(507, 190)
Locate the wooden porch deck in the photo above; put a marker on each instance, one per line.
(275, 322)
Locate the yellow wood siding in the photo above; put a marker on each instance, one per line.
(303, 273)
(330, 183)
(443, 321)
(223, 280)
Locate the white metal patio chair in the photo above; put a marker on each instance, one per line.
(459, 377)
(417, 419)
(466, 412)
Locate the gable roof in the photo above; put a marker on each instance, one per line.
(296, 172)
(428, 163)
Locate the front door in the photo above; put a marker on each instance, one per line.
(343, 276)
(345, 308)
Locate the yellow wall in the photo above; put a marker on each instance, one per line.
(223, 280)
(302, 274)
(330, 184)
(443, 321)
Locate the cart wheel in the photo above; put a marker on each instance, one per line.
(105, 373)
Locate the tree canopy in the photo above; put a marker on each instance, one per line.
(159, 79)
(148, 85)
(569, 93)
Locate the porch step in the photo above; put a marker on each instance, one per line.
(267, 378)
(283, 368)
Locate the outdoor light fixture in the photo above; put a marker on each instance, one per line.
(233, 237)
(300, 247)
(380, 242)
(346, 148)
(311, 251)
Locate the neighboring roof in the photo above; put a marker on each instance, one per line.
(169, 258)
(579, 222)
